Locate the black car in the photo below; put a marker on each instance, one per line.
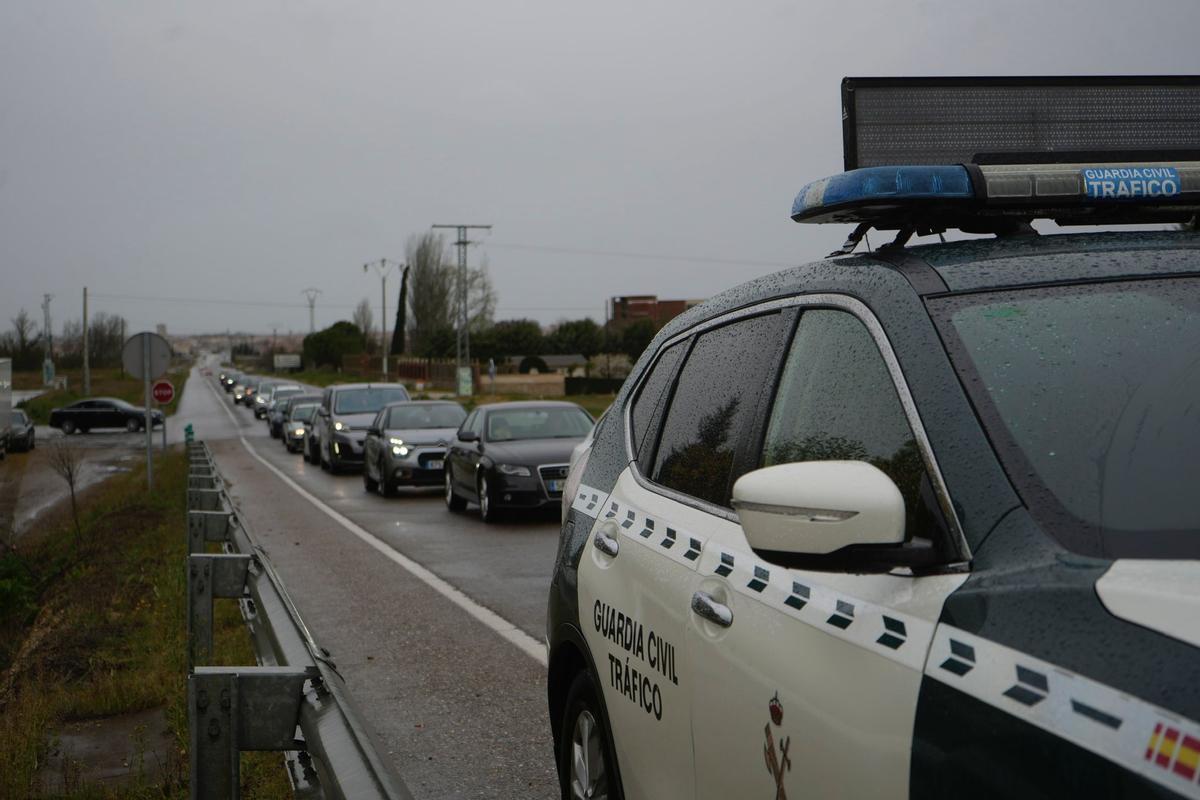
(20, 438)
(513, 455)
(102, 412)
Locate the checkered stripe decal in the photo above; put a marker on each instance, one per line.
(588, 501)
(884, 631)
(1137, 735)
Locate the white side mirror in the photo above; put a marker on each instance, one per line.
(817, 507)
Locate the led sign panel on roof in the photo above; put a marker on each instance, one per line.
(897, 121)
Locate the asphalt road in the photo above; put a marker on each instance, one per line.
(435, 620)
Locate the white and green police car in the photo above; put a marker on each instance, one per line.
(918, 521)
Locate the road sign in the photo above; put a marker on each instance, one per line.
(287, 361)
(133, 355)
(163, 392)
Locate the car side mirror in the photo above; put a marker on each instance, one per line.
(814, 508)
(468, 436)
(322, 412)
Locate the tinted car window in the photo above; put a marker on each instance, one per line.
(418, 416)
(1089, 393)
(715, 405)
(651, 399)
(18, 418)
(367, 400)
(304, 413)
(537, 423)
(836, 402)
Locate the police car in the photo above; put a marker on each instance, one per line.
(918, 520)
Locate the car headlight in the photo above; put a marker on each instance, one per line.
(340, 426)
(298, 431)
(396, 442)
(400, 450)
(513, 469)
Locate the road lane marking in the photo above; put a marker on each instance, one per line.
(498, 624)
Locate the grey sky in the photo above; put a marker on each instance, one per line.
(246, 150)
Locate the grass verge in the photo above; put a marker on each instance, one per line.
(102, 619)
(105, 383)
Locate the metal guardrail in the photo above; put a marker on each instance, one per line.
(293, 700)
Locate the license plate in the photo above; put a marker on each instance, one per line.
(555, 486)
(435, 463)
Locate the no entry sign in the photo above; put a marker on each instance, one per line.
(163, 392)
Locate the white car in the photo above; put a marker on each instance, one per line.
(909, 522)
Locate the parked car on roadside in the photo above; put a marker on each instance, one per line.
(513, 455)
(20, 437)
(406, 444)
(346, 412)
(102, 412)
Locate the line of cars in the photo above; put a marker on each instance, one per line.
(498, 456)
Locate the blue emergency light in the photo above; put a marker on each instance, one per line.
(988, 154)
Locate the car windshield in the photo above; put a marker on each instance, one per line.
(304, 413)
(1089, 393)
(18, 418)
(426, 416)
(537, 423)
(123, 404)
(282, 393)
(367, 400)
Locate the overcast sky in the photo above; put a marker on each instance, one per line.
(196, 153)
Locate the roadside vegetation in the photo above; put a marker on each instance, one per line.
(106, 382)
(93, 625)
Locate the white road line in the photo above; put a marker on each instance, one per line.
(523, 641)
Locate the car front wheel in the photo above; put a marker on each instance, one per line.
(68, 427)
(585, 762)
(487, 512)
(369, 483)
(132, 425)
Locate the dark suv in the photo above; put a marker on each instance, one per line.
(346, 412)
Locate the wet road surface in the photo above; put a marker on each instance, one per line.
(447, 669)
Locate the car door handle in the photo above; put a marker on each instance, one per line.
(717, 613)
(606, 544)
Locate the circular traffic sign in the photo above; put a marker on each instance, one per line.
(163, 392)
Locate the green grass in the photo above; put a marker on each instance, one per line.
(105, 383)
(108, 609)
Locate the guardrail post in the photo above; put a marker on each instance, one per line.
(199, 480)
(209, 577)
(232, 709)
(204, 499)
(206, 526)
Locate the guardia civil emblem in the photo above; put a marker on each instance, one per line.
(778, 762)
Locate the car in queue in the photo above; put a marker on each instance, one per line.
(916, 520)
(279, 394)
(264, 399)
(513, 455)
(102, 412)
(406, 444)
(21, 436)
(250, 389)
(230, 379)
(296, 428)
(346, 411)
(278, 410)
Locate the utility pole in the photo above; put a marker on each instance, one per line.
(87, 372)
(311, 294)
(383, 266)
(47, 331)
(462, 344)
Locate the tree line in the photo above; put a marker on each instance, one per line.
(426, 315)
(26, 342)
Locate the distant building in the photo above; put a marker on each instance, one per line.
(629, 309)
